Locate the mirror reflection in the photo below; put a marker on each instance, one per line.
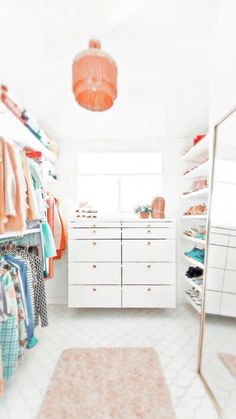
(218, 361)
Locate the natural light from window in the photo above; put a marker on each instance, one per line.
(117, 182)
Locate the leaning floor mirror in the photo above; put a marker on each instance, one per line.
(217, 349)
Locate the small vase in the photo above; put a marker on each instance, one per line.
(158, 207)
(143, 214)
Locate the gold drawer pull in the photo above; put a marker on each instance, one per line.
(94, 266)
(94, 289)
(149, 243)
(149, 266)
(94, 226)
(149, 289)
(94, 243)
(94, 231)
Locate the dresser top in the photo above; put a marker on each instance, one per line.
(120, 221)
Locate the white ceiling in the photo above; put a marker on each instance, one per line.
(161, 48)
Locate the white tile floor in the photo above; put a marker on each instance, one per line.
(173, 334)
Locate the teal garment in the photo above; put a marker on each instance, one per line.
(49, 247)
(32, 342)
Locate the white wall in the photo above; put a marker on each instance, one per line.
(66, 191)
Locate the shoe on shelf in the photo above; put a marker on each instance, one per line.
(200, 209)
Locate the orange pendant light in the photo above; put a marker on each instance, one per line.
(94, 78)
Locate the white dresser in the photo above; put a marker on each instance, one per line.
(221, 272)
(122, 264)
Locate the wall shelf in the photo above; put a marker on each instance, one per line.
(194, 240)
(190, 301)
(195, 217)
(192, 283)
(193, 262)
(13, 129)
(18, 234)
(198, 151)
(202, 193)
(200, 172)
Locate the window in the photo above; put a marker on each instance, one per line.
(117, 182)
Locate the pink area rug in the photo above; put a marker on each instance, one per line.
(107, 383)
(229, 362)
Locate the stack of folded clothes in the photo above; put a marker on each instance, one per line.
(196, 254)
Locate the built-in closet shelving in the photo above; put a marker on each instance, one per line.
(195, 167)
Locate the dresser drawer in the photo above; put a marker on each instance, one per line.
(148, 296)
(230, 282)
(148, 224)
(148, 233)
(104, 273)
(228, 305)
(94, 250)
(215, 279)
(231, 258)
(217, 256)
(213, 300)
(148, 250)
(149, 273)
(94, 296)
(94, 233)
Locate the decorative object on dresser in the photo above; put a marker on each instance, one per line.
(143, 210)
(158, 207)
(122, 264)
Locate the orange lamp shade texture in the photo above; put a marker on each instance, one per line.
(94, 78)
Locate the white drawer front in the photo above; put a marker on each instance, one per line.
(148, 233)
(94, 250)
(228, 305)
(230, 282)
(217, 256)
(104, 273)
(148, 224)
(94, 233)
(149, 273)
(94, 296)
(149, 296)
(220, 239)
(213, 300)
(215, 279)
(231, 258)
(88, 223)
(148, 250)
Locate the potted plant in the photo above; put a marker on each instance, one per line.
(143, 210)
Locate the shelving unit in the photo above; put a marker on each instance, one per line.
(195, 217)
(193, 262)
(190, 301)
(196, 154)
(10, 235)
(198, 172)
(192, 283)
(14, 130)
(194, 240)
(202, 193)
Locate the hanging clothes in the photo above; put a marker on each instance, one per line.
(9, 330)
(12, 214)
